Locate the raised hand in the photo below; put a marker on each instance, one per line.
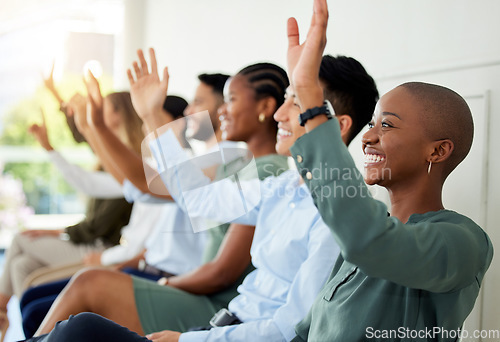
(78, 106)
(95, 116)
(148, 92)
(49, 84)
(304, 59)
(40, 133)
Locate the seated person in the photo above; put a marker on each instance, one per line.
(291, 250)
(216, 281)
(34, 249)
(420, 269)
(166, 253)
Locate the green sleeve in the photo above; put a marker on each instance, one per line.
(104, 220)
(443, 252)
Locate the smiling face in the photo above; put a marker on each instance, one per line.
(240, 113)
(289, 129)
(396, 145)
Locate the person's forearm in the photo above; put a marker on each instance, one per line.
(127, 161)
(229, 264)
(310, 98)
(206, 279)
(154, 120)
(106, 162)
(133, 263)
(55, 93)
(92, 183)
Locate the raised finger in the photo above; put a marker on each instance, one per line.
(130, 77)
(166, 77)
(320, 12)
(316, 37)
(144, 64)
(292, 32)
(152, 58)
(137, 70)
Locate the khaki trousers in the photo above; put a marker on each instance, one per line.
(26, 255)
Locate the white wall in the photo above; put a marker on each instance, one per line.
(453, 43)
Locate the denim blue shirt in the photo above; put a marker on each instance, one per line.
(172, 245)
(292, 250)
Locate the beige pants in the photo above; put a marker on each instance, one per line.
(26, 255)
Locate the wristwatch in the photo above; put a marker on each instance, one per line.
(325, 109)
(162, 281)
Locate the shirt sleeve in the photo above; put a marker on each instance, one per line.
(226, 200)
(117, 254)
(439, 255)
(310, 278)
(96, 184)
(133, 194)
(131, 244)
(265, 330)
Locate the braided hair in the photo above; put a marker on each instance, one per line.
(267, 79)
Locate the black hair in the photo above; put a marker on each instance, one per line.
(216, 81)
(175, 105)
(267, 79)
(350, 89)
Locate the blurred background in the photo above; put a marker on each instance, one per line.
(452, 43)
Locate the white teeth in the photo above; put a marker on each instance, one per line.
(374, 158)
(283, 132)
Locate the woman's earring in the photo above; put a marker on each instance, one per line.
(262, 117)
(429, 168)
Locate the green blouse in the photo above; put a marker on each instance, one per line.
(394, 281)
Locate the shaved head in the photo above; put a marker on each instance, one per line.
(445, 115)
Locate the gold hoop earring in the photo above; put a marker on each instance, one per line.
(262, 117)
(429, 168)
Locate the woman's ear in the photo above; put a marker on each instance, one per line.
(345, 122)
(267, 106)
(441, 150)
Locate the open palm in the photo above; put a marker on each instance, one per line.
(40, 133)
(148, 92)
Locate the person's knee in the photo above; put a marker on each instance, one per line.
(91, 282)
(75, 328)
(83, 319)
